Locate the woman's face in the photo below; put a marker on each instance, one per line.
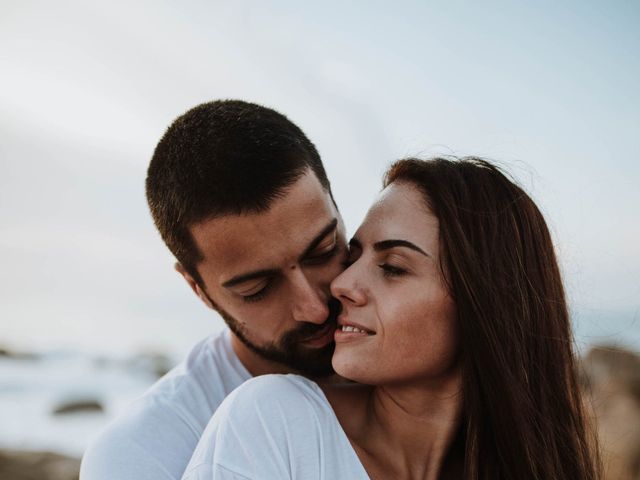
(398, 321)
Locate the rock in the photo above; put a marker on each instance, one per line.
(76, 406)
(11, 354)
(15, 465)
(156, 363)
(610, 378)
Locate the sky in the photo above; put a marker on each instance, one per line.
(548, 90)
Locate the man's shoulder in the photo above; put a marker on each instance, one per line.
(159, 430)
(211, 369)
(196, 386)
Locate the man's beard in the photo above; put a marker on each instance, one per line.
(288, 349)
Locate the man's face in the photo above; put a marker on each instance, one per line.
(268, 274)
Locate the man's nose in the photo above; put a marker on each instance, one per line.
(309, 304)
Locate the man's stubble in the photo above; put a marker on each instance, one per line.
(288, 349)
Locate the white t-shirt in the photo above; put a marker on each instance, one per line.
(156, 437)
(275, 427)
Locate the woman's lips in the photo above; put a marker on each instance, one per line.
(347, 332)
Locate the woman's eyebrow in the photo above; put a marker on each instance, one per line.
(387, 244)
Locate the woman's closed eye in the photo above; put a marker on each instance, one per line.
(389, 270)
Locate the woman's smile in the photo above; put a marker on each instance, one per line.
(348, 331)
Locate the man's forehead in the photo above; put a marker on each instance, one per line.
(233, 243)
(247, 246)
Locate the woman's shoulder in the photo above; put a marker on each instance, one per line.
(279, 420)
(276, 389)
(274, 426)
(268, 400)
(279, 382)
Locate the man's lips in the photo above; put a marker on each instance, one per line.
(322, 337)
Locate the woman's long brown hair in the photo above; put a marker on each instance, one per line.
(523, 412)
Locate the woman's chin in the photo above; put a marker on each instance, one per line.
(351, 368)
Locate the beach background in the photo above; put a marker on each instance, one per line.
(91, 311)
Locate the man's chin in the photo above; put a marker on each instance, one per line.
(307, 350)
(314, 362)
(308, 361)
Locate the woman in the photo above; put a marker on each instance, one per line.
(455, 325)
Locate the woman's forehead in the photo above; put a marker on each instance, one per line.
(400, 211)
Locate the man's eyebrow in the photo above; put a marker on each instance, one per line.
(318, 238)
(245, 277)
(387, 244)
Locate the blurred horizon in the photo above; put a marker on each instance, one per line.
(549, 91)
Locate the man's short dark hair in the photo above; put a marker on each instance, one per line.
(220, 158)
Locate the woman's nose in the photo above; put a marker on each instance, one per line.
(346, 287)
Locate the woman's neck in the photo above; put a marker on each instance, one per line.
(407, 431)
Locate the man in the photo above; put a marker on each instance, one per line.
(241, 198)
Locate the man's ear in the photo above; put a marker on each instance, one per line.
(193, 284)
